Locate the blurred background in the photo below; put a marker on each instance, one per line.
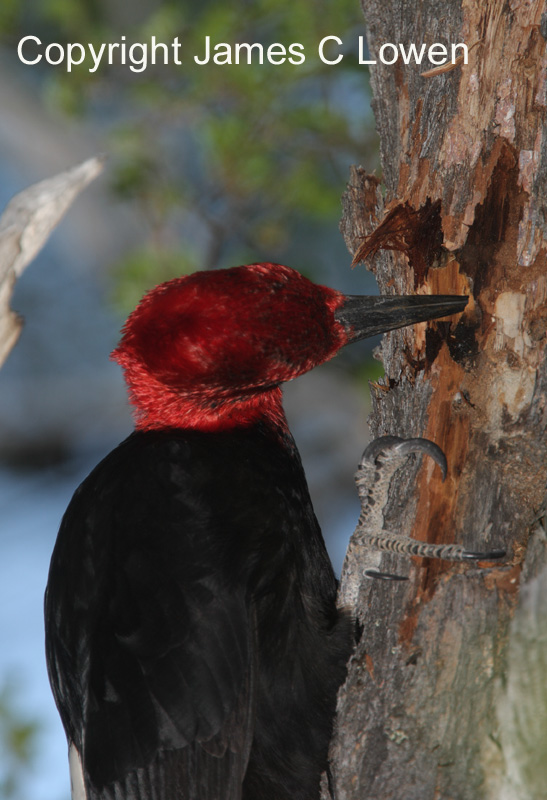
(208, 166)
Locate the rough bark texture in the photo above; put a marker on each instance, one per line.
(446, 696)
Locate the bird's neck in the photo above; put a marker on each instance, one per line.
(157, 406)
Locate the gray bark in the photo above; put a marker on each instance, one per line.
(445, 696)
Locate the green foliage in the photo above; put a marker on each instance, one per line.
(254, 151)
(143, 268)
(369, 370)
(8, 14)
(18, 742)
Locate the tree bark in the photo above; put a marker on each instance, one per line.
(445, 696)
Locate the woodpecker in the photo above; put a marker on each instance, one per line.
(193, 641)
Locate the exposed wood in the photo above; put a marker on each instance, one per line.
(25, 227)
(426, 712)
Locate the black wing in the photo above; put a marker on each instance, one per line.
(150, 639)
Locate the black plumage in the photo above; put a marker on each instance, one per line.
(201, 646)
(193, 640)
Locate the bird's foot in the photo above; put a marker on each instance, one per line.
(381, 459)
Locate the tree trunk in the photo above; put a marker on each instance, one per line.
(446, 695)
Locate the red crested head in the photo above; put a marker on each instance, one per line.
(209, 350)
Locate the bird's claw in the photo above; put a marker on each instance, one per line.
(395, 446)
(384, 576)
(467, 555)
(488, 555)
(379, 462)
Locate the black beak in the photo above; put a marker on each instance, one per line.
(367, 316)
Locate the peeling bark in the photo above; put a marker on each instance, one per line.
(432, 701)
